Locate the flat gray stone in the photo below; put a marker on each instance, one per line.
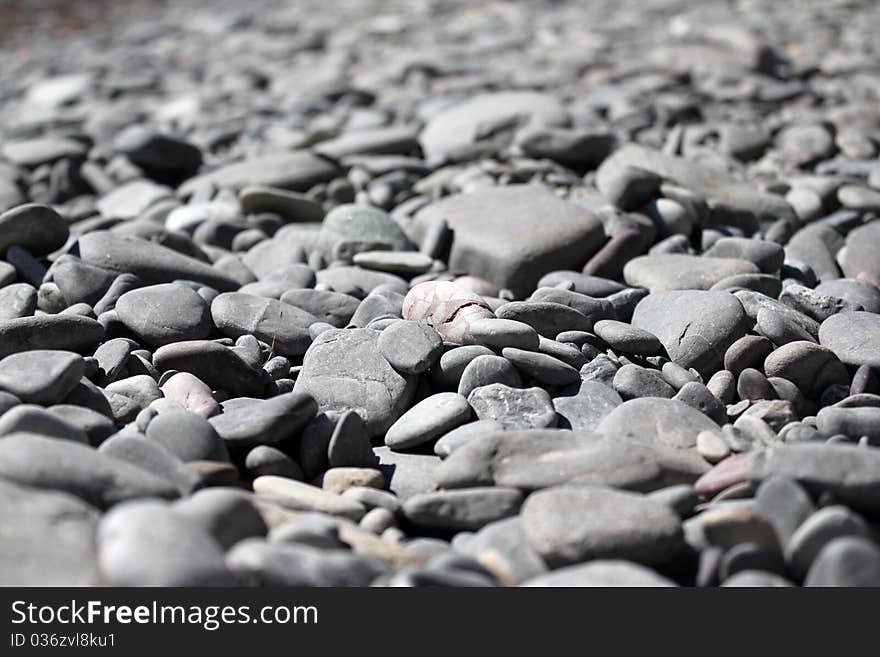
(428, 420)
(62, 465)
(286, 327)
(344, 370)
(568, 524)
(41, 376)
(679, 271)
(294, 170)
(853, 337)
(695, 327)
(515, 408)
(462, 509)
(48, 538)
(518, 255)
(166, 313)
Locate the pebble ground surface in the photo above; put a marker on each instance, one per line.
(440, 293)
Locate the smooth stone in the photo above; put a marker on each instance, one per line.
(257, 199)
(191, 393)
(626, 338)
(768, 256)
(132, 199)
(515, 408)
(462, 509)
(501, 333)
(449, 309)
(246, 422)
(705, 180)
(700, 397)
(695, 327)
(461, 435)
(859, 254)
(485, 370)
(350, 443)
(274, 285)
(539, 458)
(633, 381)
(17, 300)
(227, 514)
(149, 261)
(152, 457)
(261, 563)
(37, 228)
(846, 562)
(853, 337)
(547, 318)
(63, 465)
(407, 474)
(428, 420)
(822, 527)
(166, 313)
(602, 573)
(29, 418)
(266, 460)
(344, 370)
(410, 347)
(678, 271)
(52, 538)
(49, 332)
(785, 504)
(41, 376)
(853, 422)
(339, 479)
(584, 409)
(146, 543)
(655, 421)
(300, 496)
(219, 367)
(567, 525)
(293, 170)
(366, 224)
(332, 307)
(851, 474)
(501, 548)
(517, 256)
(190, 437)
(284, 327)
(399, 262)
(155, 151)
(97, 426)
(856, 292)
(43, 150)
(359, 282)
(459, 131)
(542, 367)
(748, 351)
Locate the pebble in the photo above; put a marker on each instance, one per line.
(854, 337)
(164, 314)
(344, 370)
(514, 408)
(37, 228)
(64, 465)
(410, 347)
(568, 525)
(300, 496)
(429, 419)
(144, 543)
(41, 376)
(246, 422)
(485, 370)
(463, 508)
(695, 327)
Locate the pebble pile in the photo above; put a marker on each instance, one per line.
(442, 293)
